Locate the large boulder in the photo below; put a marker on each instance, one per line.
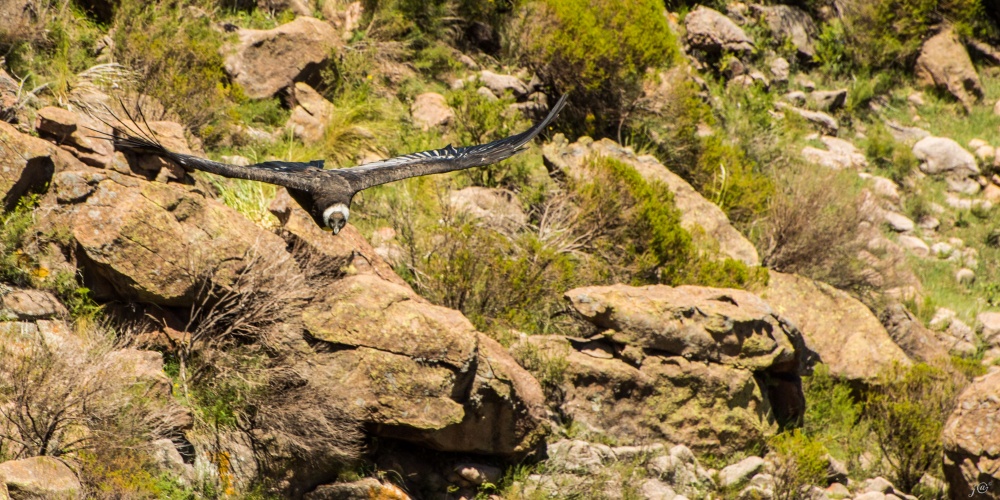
(916, 340)
(28, 163)
(75, 132)
(944, 63)
(415, 371)
(712, 32)
(154, 242)
(421, 372)
(266, 61)
(41, 478)
(791, 23)
(840, 329)
(697, 213)
(730, 327)
(683, 364)
(972, 439)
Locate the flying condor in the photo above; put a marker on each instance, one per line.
(327, 194)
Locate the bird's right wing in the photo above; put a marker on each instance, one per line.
(296, 175)
(445, 159)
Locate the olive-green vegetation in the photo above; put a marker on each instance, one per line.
(599, 51)
(621, 62)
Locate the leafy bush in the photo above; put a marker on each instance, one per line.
(599, 50)
(907, 410)
(49, 50)
(798, 462)
(889, 33)
(480, 120)
(178, 58)
(895, 160)
(833, 417)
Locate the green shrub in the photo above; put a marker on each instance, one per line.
(634, 224)
(889, 33)
(894, 160)
(907, 409)
(798, 462)
(53, 48)
(833, 417)
(178, 59)
(479, 120)
(599, 50)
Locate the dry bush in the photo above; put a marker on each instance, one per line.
(305, 442)
(60, 395)
(815, 228)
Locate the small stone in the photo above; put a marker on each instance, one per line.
(990, 322)
(986, 153)
(965, 276)
(740, 472)
(898, 222)
(929, 223)
(478, 474)
(914, 244)
(975, 144)
(780, 70)
(796, 97)
(431, 110)
(828, 100)
(879, 484)
(916, 99)
(837, 491)
(941, 250)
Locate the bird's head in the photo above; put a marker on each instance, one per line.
(335, 217)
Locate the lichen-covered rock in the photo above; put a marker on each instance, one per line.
(731, 327)
(972, 437)
(680, 365)
(713, 32)
(421, 372)
(944, 62)
(791, 23)
(941, 155)
(28, 163)
(30, 305)
(841, 330)
(73, 131)
(41, 478)
(697, 213)
(348, 253)
(152, 242)
(266, 61)
(840, 154)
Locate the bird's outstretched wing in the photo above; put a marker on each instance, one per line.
(132, 139)
(446, 159)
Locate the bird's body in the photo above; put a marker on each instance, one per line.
(327, 194)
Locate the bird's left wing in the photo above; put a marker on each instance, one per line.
(446, 159)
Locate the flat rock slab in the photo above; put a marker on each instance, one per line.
(725, 326)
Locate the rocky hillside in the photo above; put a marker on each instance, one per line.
(757, 257)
